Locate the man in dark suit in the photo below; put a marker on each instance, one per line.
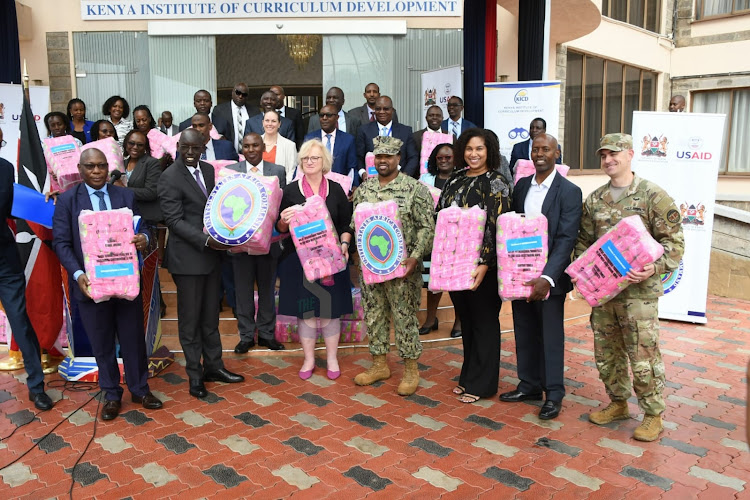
(229, 117)
(341, 145)
(538, 323)
(434, 119)
(202, 102)
(167, 127)
(194, 260)
(255, 123)
(366, 113)
(216, 149)
(455, 124)
(249, 269)
(522, 150)
(384, 124)
(114, 318)
(290, 113)
(347, 122)
(13, 294)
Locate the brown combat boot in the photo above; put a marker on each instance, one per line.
(378, 371)
(616, 410)
(410, 380)
(649, 429)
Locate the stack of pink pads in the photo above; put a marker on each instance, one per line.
(380, 241)
(525, 168)
(456, 248)
(522, 251)
(109, 257)
(434, 192)
(62, 154)
(601, 269)
(316, 240)
(111, 150)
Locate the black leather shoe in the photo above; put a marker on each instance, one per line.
(244, 346)
(41, 401)
(149, 401)
(197, 389)
(272, 344)
(550, 410)
(427, 329)
(518, 396)
(223, 375)
(455, 334)
(111, 410)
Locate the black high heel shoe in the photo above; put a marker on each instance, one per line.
(427, 329)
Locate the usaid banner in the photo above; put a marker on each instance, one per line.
(681, 153)
(11, 106)
(438, 86)
(510, 107)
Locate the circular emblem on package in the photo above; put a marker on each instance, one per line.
(670, 280)
(380, 244)
(236, 209)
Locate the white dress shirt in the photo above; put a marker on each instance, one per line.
(192, 174)
(535, 196)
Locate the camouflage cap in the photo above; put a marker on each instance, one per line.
(384, 145)
(616, 142)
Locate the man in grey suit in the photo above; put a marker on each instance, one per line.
(249, 269)
(167, 127)
(347, 122)
(366, 112)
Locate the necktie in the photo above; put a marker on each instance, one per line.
(203, 156)
(102, 205)
(383, 131)
(328, 142)
(454, 126)
(372, 116)
(197, 175)
(240, 130)
(254, 170)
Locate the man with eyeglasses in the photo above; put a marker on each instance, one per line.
(341, 144)
(347, 122)
(203, 103)
(455, 124)
(386, 125)
(229, 117)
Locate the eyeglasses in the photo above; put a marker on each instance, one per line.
(137, 144)
(240, 93)
(454, 105)
(94, 166)
(327, 115)
(3, 143)
(310, 159)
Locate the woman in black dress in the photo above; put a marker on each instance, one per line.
(297, 296)
(477, 182)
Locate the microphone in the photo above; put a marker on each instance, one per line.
(115, 175)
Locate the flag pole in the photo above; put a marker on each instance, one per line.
(26, 81)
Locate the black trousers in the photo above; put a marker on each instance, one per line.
(479, 312)
(198, 321)
(249, 269)
(540, 346)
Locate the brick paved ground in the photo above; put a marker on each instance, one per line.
(276, 436)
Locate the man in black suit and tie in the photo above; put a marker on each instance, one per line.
(347, 122)
(229, 117)
(202, 102)
(538, 323)
(216, 149)
(455, 124)
(384, 124)
(115, 318)
(268, 103)
(167, 127)
(434, 119)
(249, 269)
(290, 113)
(522, 150)
(194, 260)
(341, 145)
(366, 112)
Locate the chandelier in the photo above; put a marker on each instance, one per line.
(301, 47)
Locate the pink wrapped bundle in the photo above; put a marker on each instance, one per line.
(521, 253)
(221, 171)
(342, 180)
(434, 192)
(159, 142)
(286, 329)
(109, 257)
(370, 164)
(458, 243)
(380, 241)
(353, 331)
(429, 141)
(316, 240)
(601, 269)
(525, 168)
(5, 333)
(111, 150)
(62, 154)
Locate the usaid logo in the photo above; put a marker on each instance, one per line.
(521, 97)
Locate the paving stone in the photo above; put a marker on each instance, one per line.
(620, 447)
(425, 384)
(309, 421)
(713, 422)
(505, 354)
(687, 401)
(295, 477)
(508, 478)
(484, 422)
(742, 351)
(730, 366)
(155, 474)
(574, 340)
(583, 401)
(455, 364)
(423, 400)
(269, 379)
(275, 361)
(711, 353)
(321, 381)
(647, 477)
(484, 403)
(716, 478)
(366, 446)
(495, 447)
(704, 329)
(454, 350)
(729, 341)
(364, 363)
(368, 400)
(172, 378)
(585, 352)
(733, 443)
(113, 443)
(22, 417)
(225, 476)
(712, 383)
(314, 399)
(5, 396)
(212, 398)
(240, 445)
(17, 474)
(367, 421)
(673, 385)
(86, 474)
(590, 364)
(723, 319)
(161, 396)
(511, 380)
(684, 447)
(509, 366)
(176, 443)
(367, 478)
(672, 353)
(303, 446)
(547, 424)
(584, 417)
(426, 422)
(252, 420)
(422, 367)
(558, 446)
(193, 418)
(261, 398)
(79, 417)
(577, 478)
(438, 479)
(431, 447)
(693, 341)
(573, 383)
(136, 417)
(51, 443)
(689, 366)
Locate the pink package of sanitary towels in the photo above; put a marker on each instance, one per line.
(380, 241)
(111, 150)
(522, 250)
(316, 240)
(458, 244)
(61, 155)
(525, 168)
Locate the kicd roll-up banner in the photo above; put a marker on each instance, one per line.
(681, 153)
(509, 108)
(438, 86)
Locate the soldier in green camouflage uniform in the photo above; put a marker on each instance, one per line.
(398, 298)
(627, 327)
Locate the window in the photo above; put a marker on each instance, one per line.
(735, 157)
(710, 8)
(641, 13)
(600, 97)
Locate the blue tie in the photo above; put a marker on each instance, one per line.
(328, 142)
(102, 205)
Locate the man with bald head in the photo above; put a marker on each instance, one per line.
(105, 323)
(386, 125)
(229, 117)
(346, 122)
(202, 102)
(677, 104)
(341, 144)
(291, 113)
